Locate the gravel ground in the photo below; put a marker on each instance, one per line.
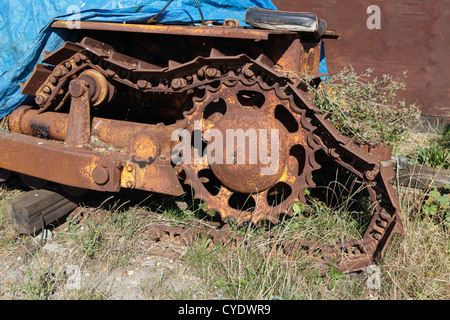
(49, 270)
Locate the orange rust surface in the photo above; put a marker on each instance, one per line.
(56, 162)
(300, 56)
(216, 31)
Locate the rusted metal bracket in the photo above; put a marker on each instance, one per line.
(79, 126)
(146, 162)
(56, 162)
(219, 32)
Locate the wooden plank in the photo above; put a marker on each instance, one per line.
(34, 210)
(421, 177)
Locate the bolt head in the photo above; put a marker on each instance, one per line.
(142, 84)
(40, 99)
(76, 88)
(100, 175)
(211, 72)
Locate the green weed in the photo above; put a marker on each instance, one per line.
(366, 107)
(436, 155)
(437, 205)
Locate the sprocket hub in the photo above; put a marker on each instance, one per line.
(254, 153)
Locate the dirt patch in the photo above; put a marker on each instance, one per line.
(50, 266)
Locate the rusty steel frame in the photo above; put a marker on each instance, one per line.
(212, 31)
(301, 56)
(56, 162)
(53, 125)
(80, 168)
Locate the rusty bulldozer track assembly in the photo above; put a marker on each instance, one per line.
(104, 116)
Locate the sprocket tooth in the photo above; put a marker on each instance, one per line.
(188, 181)
(216, 53)
(310, 181)
(264, 60)
(272, 216)
(173, 64)
(243, 217)
(200, 196)
(211, 207)
(313, 163)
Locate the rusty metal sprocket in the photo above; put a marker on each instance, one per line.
(238, 190)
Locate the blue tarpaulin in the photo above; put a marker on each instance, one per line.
(25, 29)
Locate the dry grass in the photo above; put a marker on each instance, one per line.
(416, 265)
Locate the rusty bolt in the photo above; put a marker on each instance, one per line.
(47, 89)
(371, 174)
(111, 71)
(247, 71)
(129, 168)
(211, 72)
(369, 248)
(201, 72)
(77, 58)
(130, 184)
(59, 71)
(76, 88)
(100, 175)
(178, 83)
(40, 99)
(142, 84)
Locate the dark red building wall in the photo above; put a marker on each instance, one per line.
(414, 35)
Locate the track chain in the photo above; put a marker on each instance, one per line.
(218, 69)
